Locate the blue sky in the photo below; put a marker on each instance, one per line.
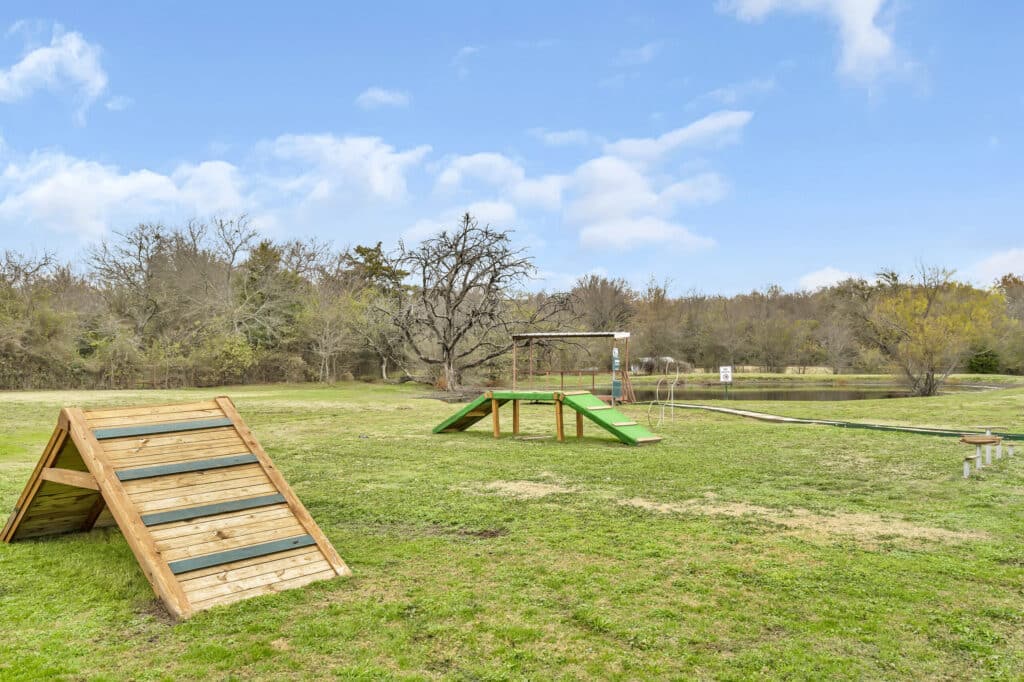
(723, 145)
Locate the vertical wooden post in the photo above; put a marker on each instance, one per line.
(988, 455)
(531, 363)
(515, 417)
(579, 425)
(559, 424)
(514, 364)
(967, 468)
(999, 450)
(977, 458)
(495, 420)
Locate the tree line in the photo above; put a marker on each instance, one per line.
(214, 302)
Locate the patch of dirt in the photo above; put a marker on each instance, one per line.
(526, 490)
(281, 644)
(156, 609)
(485, 533)
(861, 526)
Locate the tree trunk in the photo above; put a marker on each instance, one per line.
(384, 367)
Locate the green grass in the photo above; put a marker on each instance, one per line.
(734, 549)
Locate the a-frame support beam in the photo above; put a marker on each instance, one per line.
(77, 479)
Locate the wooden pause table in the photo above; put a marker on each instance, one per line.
(208, 516)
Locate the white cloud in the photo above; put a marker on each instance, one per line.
(210, 187)
(374, 98)
(499, 214)
(461, 59)
(733, 94)
(60, 193)
(638, 55)
(563, 138)
(57, 192)
(825, 277)
(330, 165)
(68, 62)
(627, 233)
(615, 203)
(705, 188)
(720, 127)
(497, 170)
(119, 103)
(867, 49)
(1007, 261)
(489, 167)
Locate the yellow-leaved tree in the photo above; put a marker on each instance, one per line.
(928, 328)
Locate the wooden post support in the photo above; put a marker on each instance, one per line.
(515, 417)
(967, 467)
(977, 458)
(495, 420)
(559, 423)
(999, 450)
(579, 425)
(514, 372)
(988, 455)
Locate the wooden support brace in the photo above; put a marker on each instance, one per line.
(559, 422)
(76, 479)
(988, 455)
(579, 425)
(515, 417)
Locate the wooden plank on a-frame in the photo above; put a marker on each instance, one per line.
(123, 510)
(277, 479)
(50, 452)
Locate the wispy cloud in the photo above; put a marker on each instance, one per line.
(718, 128)
(119, 103)
(825, 277)
(867, 47)
(563, 138)
(462, 58)
(735, 93)
(69, 62)
(374, 98)
(636, 56)
(1003, 262)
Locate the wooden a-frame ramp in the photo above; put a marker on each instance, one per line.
(208, 516)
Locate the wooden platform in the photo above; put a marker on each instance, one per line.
(208, 516)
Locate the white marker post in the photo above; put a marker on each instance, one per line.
(725, 377)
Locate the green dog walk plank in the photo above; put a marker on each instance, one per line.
(606, 417)
(186, 467)
(157, 518)
(250, 552)
(634, 434)
(152, 429)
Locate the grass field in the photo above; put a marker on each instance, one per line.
(734, 549)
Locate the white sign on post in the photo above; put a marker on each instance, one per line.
(725, 374)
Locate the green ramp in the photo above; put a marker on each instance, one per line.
(467, 416)
(609, 419)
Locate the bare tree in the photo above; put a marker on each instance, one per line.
(461, 310)
(603, 304)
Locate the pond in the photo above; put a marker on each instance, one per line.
(689, 393)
